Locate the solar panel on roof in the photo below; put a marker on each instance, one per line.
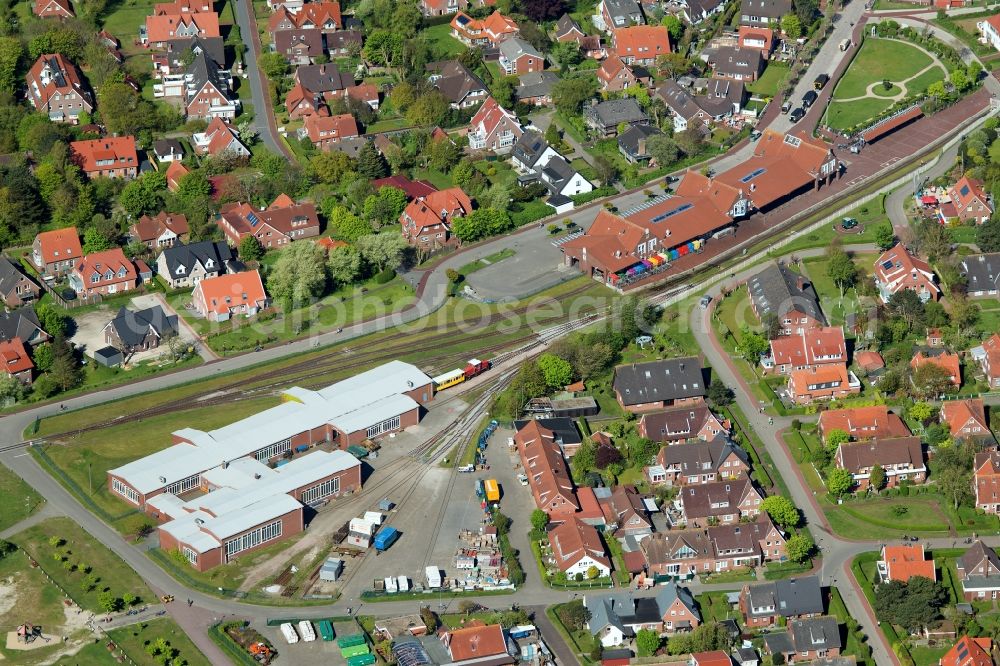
(254, 220)
(887, 265)
(753, 174)
(964, 190)
(671, 213)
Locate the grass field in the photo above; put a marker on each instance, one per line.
(870, 215)
(769, 82)
(19, 499)
(735, 312)
(834, 306)
(441, 41)
(82, 550)
(844, 115)
(134, 639)
(926, 514)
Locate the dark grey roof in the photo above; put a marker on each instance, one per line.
(666, 379)
(203, 252)
(132, 327)
(10, 275)
(646, 611)
(164, 147)
(982, 271)
(619, 609)
(513, 48)
(629, 140)
(626, 9)
(694, 457)
(563, 428)
(815, 633)
(778, 290)
(612, 112)
(536, 84)
(323, 78)
(529, 148)
(790, 597)
(213, 46)
(616, 654)
(677, 99)
(203, 69)
(770, 9)
(350, 146)
(721, 96)
(557, 172)
(779, 643)
(20, 323)
(701, 8)
(669, 593)
(455, 80)
(734, 60)
(565, 25)
(108, 353)
(310, 37)
(745, 655)
(342, 38)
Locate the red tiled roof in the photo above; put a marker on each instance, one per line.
(949, 362)
(163, 28)
(315, 14)
(476, 642)
(232, 290)
(281, 215)
(412, 188)
(875, 421)
(175, 172)
(574, 540)
(906, 561)
(890, 124)
(548, 475)
(70, 80)
(150, 228)
(53, 8)
(643, 42)
(815, 345)
(884, 452)
(898, 269)
(328, 243)
(14, 357)
(957, 413)
(869, 360)
(765, 35)
(120, 151)
(714, 658)
(183, 7)
(436, 207)
(100, 263)
(331, 128)
(59, 245)
(970, 651)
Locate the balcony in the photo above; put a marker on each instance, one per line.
(852, 381)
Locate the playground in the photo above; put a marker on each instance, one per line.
(884, 72)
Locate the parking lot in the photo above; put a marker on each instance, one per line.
(313, 652)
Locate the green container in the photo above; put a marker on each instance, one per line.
(326, 630)
(354, 651)
(351, 641)
(361, 660)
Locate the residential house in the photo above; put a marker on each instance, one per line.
(132, 332)
(343, 43)
(326, 131)
(413, 189)
(944, 359)
(633, 143)
(691, 464)
(442, 7)
(160, 29)
(606, 117)
(563, 430)
(860, 423)
(613, 14)
(781, 293)
(489, 31)
(986, 481)
(625, 513)
(577, 549)
(299, 46)
(106, 273)
(326, 80)
(56, 89)
(568, 30)
(225, 296)
(807, 349)
(988, 357)
(280, 223)
(870, 361)
(689, 552)
(301, 102)
(897, 270)
(966, 419)
(16, 288)
(112, 157)
(208, 90)
(970, 200)
(187, 265)
(22, 323)
(461, 88)
(763, 604)
(535, 88)
(969, 651)
(615, 75)
(175, 172)
(712, 658)
(982, 274)
(683, 424)
(717, 502)
(519, 57)
(723, 98)
(163, 230)
(170, 64)
(168, 150)
(477, 643)
(62, 9)
(531, 152)
(643, 387)
(493, 128)
(547, 471)
(641, 44)
(426, 221)
(365, 92)
(56, 252)
(762, 39)
(563, 182)
(824, 382)
(811, 638)
(696, 11)
(736, 63)
(902, 458)
(989, 29)
(15, 361)
(979, 571)
(763, 13)
(903, 562)
(323, 17)
(618, 616)
(219, 138)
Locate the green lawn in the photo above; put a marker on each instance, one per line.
(870, 215)
(441, 41)
(133, 641)
(835, 307)
(124, 23)
(877, 60)
(84, 551)
(442, 181)
(715, 608)
(845, 115)
(927, 514)
(769, 82)
(488, 260)
(19, 499)
(735, 312)
(922, 82)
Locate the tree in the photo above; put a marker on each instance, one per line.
(988, 233)
(606, 170)
(690, 141)
(913, 604)
(195, 184)
(840, 268)
(108, 601)
(273, 65)
(298, 275)
(431, 108)
(251, 249)
(674, 26)
(543, 10)
(921, 411)
(930, 380)
(383, 48)
(558, 372)
(605, 456)
(504, 89)
(481, 223)
(442, 154)
(348, 226)
(143, 196)
(799, 548)
(344, 265)
(568, 95)
(539, 520)
(839, 481)
(663, 149)
(574, 615)
(885, 237)
(567, 54)
(11, 389)
(906, 304)
(781, 510)
(719, 394)
(95, 241)
(877, 478)
(11, 53)
(65, 371)
(752, 346)
(331, 166)
(647, 642)
(123, 110)
(371, 164)
(384, 250)
(129, 599)
(791, 26)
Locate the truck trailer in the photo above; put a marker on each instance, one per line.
(433, 577)
(288, 631)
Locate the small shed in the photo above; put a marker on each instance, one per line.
(109, 357)
(331, 569)
(385, 505)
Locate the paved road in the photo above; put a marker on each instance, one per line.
(895, 203)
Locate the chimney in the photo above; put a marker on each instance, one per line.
(642, 146)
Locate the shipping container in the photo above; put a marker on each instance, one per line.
(301, 447)
(433, 577)
(326, 630)
(390, 584)
(404, 583)
(288, 631)
(386, 537)
(351, 640)
(307, 631)
(492, 490)
(354, 650)
(361, 660)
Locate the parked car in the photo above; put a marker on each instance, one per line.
(820, 81)
(848, 223)
(809, 98)
(786, 106)
(754, 135)
(705, 300)
(797, 115)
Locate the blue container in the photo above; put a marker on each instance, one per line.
(281, 462)
(386, 537)
(301, 447)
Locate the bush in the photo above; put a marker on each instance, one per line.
(385, 276)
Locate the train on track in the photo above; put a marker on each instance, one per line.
(472, 369)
